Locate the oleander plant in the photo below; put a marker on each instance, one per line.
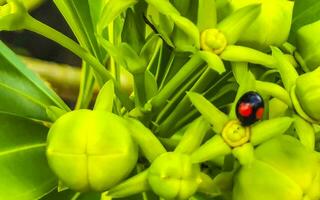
(197, 100)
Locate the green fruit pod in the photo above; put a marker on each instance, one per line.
(308, 44)
(90, 150)
(272, 26)
(173, 176)
(283, 170)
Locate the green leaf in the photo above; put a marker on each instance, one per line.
(77, 13)
(207, 14)
(304, 12)
(133, 31)
(212, 114)
(151, 86)
(163, 6)
(214, 62)
(188, 28)
(268, 129)
(150, 48)
(245, 54)
(235, 24)
(287, 71)
(21, 91)
(112, 9)
(24, 171)
(105, 97)
(133, 63)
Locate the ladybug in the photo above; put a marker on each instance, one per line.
(250, 108)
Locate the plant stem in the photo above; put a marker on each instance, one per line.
(40, 28)
(184, 106)
(102, 74)
(187, 69)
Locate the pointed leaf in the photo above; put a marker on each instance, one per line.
(193, 136)
(187, 27)
(268, 129)
(21, 91)
(134, 185)
(112, 9)
(214, 62)
(212, 149)
(163, 6)
(245, 54)
(212, 114)
(235, 24)
(274, 90)
(207, 14)
(305, 132)
(105, 97)
(287, 71)
(145, 139)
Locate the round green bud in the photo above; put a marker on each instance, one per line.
(90, 150)
(173, 176)
(213, 40)
(272, 26)
(308, 44)
(283, 170)
(307, 91)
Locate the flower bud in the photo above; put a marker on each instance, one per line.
(307, 92)
(271, 27)
(283, 170)
(213, 40)
(12, 15)
(308, 44)
(90, 150)
(173, 176)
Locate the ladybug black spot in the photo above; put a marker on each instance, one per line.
(249, 108)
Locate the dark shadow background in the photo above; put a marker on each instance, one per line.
(31, 44)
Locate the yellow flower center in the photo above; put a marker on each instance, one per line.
(213, 40)
(234, 134)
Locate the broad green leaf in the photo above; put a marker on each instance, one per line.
(112, 9)
(21, 91)
(24, 171)
(304, 12)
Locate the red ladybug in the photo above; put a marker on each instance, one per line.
(250, 108)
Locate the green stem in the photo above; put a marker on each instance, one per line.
(102, 74)
(184, 105)
(139, 89)
(40, 28)
(161, 98)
